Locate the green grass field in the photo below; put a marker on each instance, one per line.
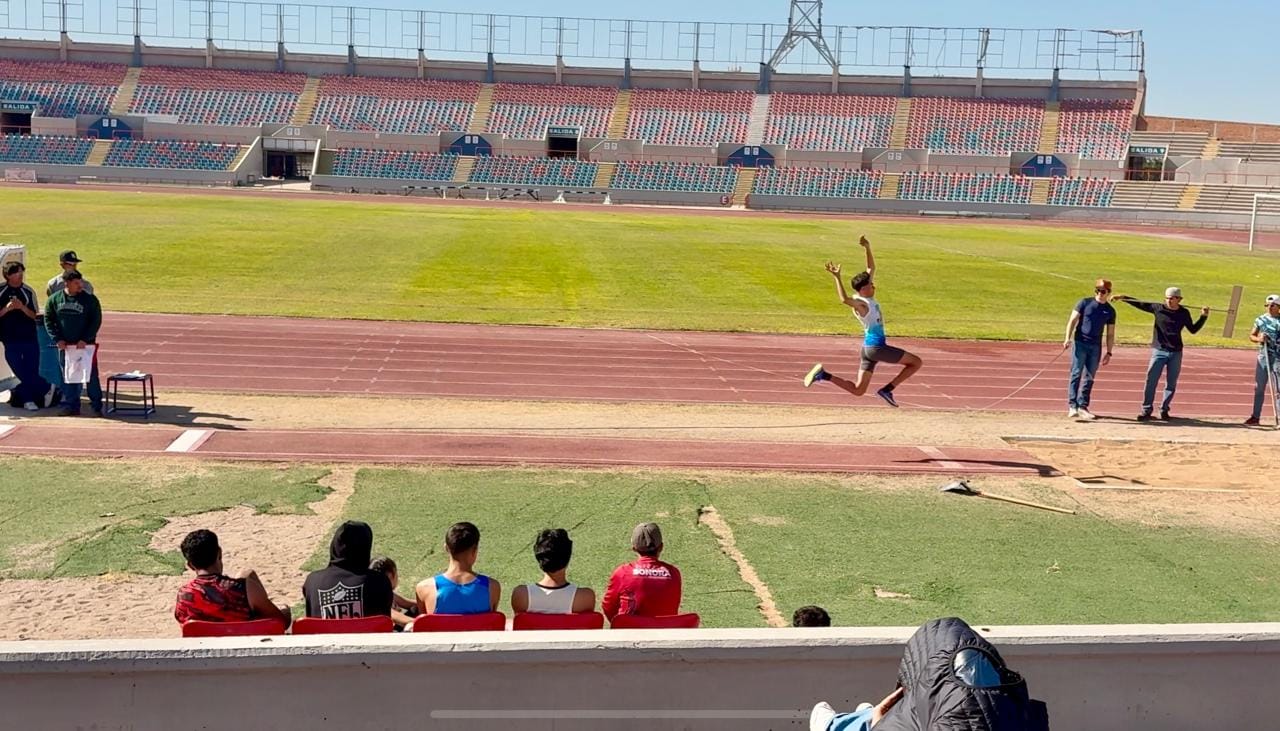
(161, 252)
(812, 540)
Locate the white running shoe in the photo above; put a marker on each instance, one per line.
(1072, 412)
(820, 717)
(31, 406)
(1087, 415)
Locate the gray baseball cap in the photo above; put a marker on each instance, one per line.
(646, 538)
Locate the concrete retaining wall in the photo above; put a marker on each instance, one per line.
(1101, 678)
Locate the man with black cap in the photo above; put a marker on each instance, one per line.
(72, 318)
(69, 262)
(645, 587)
(347, 589)
(1171, 318)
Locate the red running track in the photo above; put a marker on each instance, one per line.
(278, 355)
(107, 439)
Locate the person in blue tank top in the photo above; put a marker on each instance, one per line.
(459, 589)
(875, 346)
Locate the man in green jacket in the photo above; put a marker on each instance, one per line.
(73, 317)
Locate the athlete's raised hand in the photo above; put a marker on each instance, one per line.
(863, 242)
(833, 269)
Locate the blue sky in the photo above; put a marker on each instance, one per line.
(1218, 61)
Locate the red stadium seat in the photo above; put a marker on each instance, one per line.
(486, 622)
(356, 626)
(534, 621)
(256, 627)
(673, 621)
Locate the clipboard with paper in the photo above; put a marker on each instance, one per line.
(77, 365)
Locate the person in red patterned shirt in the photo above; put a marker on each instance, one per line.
(215, 597)
(645, 587)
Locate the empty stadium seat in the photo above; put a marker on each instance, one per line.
(253, 628)
(975, 126)
(353, 626)
(687, 117)
(401, 106)
(1081, 192)
(829, 121)
(61, 89)
(524, 111)
(45, 149)
(486, 622)
(402, 164)
(534, 621)
(218, 96)
(173, 154)
(674, 176)
(560, 171)
(964, 187)
(674, 621)
(818, 182)
(1095, 129)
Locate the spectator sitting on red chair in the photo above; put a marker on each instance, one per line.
(347, 589)
(553, 594)
(459, 589)
(214, 597)
(402, 610)
(646, 587)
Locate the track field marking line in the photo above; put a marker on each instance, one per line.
(710, 517)
(941, 458)
(1024, 267)
(7, 429)
(189, 440)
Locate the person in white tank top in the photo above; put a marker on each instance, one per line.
(554, 594)
(875, 345)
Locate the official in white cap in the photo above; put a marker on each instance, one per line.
(1171, 318)
(1266, 333)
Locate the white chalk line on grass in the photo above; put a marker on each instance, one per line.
(1015, 265)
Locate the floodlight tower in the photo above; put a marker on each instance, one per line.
(804, 24)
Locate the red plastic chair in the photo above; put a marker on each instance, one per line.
(672, 621)
(355, 626)
(486, 622)
(252, 628)
(534, 621)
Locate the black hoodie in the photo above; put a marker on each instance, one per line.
(347, 588)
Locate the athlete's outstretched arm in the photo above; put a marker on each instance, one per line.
(834, 271)
(871, 259)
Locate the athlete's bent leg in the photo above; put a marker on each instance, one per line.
(910, 364)
(857, 388)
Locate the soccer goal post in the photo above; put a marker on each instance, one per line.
(1266, 204)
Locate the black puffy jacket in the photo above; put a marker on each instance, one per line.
(985, 695)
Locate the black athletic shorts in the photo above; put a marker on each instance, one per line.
(872, 354)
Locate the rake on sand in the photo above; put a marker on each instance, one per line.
(960, 487)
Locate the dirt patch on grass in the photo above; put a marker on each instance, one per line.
(710, 517)
(276, 546)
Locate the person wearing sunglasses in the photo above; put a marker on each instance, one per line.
(1266, 333)
(1092, 321)
(1171, 318)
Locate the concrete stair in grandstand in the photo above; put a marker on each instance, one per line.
(1181, 144)
(480, 116)
(1040, 192)
(889, 186)
(742, 189)
(1235, 199)
(1212, 148)
(1143, 194)
(621, 110)
(462, 173)
(901, 119)
(1049, 131)
(604, 174)
(1190, 195)
(1251, 151)
(759, 115)
(306, 101)
(240, 156)
(98, 154)
(124, 95)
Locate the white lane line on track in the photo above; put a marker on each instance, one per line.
(189, 440)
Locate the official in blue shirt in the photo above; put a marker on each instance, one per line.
(1092, 320)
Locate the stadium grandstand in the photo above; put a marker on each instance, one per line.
(1045, 142)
